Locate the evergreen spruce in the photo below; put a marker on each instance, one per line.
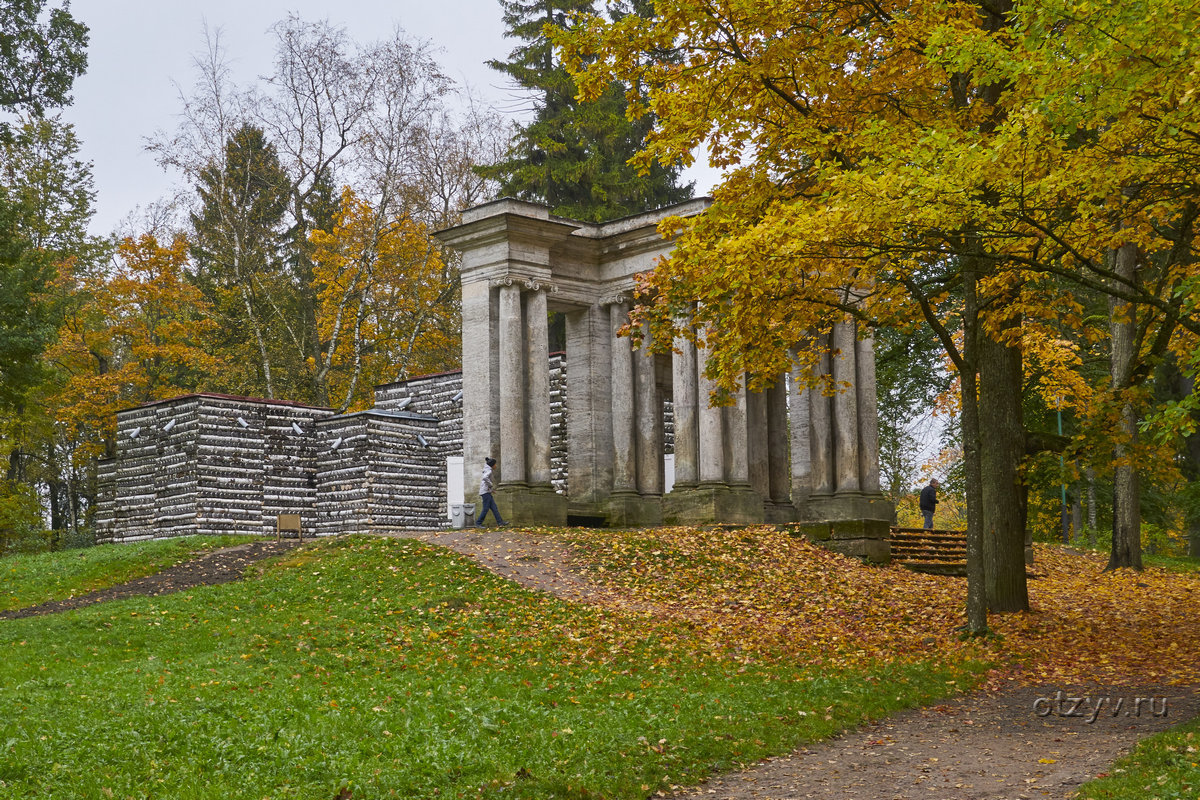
(574, 156)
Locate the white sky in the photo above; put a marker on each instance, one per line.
(141, 51)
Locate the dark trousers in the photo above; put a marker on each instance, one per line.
(489, 504)
(928, 519)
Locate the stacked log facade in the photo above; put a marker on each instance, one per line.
(215, 464)
(558, 422)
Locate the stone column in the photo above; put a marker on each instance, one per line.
(537, 372)
(712, 433)
(845, 410)
(513, 410)
(799, 402)
(624, 438)
(757, 444)
(737, 465)
(589, 408)
(481, 399)
(868, 416)
(684, 401)
(649, 421)
(821, 413)
(779, 479)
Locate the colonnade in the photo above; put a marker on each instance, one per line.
(779, 455)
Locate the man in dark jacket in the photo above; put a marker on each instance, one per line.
(929, 502)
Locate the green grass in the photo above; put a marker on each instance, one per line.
(393, 669)
(27, 580)
(1172, 563)
(1165, 766)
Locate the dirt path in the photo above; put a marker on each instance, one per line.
(975, 747)
(220, 566)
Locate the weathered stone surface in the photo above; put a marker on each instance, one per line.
(707, 503)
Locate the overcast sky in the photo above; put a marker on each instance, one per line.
(141, 52)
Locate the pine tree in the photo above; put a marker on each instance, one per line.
(573, 156)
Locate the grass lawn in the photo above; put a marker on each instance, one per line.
(1165, 766)
(31, 579)
(373, 668)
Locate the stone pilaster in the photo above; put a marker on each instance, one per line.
(589, 410)
(868, 416)
(800, 429)
(778, 449)
(737, 462)
(757, 443)
(712, 431)
(649, 422)
(624, 434)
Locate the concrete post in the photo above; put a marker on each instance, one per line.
(513, 409)
(537, 372)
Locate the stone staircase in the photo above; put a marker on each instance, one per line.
(938, 552)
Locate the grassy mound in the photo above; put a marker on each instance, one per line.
(379, 668)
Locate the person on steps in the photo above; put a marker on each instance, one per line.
(929, 502)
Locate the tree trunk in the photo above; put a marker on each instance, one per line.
(977, 624)
(1127, 512)
(1002, 428)
(1091, 504)
(1191, 471)
(1076, 517)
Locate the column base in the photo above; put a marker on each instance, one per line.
(778, 513)
(868, 539)
(531, 505)
(632, 510)
(846, 505)
(713, 503)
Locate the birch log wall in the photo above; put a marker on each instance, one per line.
(212, 464)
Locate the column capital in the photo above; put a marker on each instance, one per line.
(524, 282)
(616, 299)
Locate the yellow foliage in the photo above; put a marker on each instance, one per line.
(386, 298)
(135, 334)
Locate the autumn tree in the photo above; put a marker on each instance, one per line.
(899, 162)
(42, 51)
(333, 112)
(135, 332)
(383, 302)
